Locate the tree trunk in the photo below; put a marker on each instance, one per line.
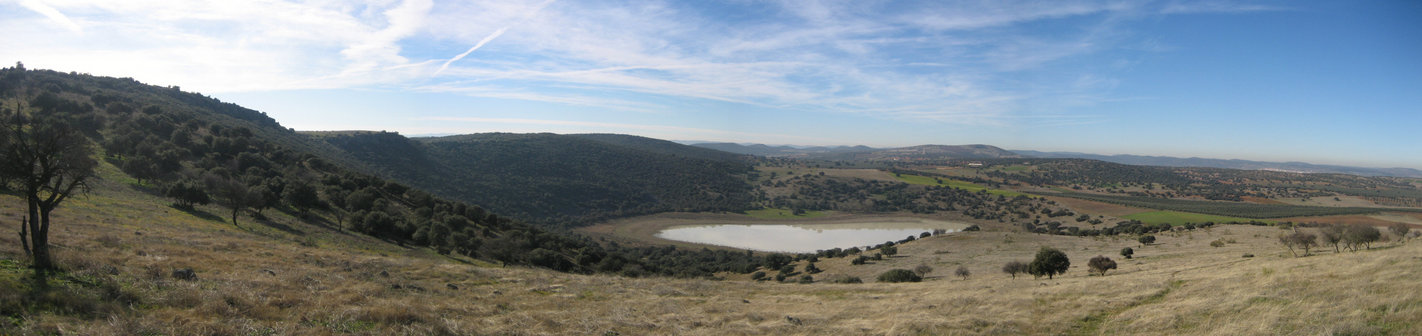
(39, 236)
(25, 235)
(234, 216)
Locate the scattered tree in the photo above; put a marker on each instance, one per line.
(923, 270)
(1299, 240)
(1014, 267)
(187, 194)
(232, 193)
(962, 271)
(1100, 264)
(899, 275)
(1049, 262)
(1146, 240)
(48, 160)
(1361, 235)
(1332, 234)
(1128, 252)
(812, 269)
(889, 250)
(1400, 229)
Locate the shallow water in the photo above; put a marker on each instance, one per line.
(803, 238)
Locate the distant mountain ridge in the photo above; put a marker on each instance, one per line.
(1299, 167)
(914, 153)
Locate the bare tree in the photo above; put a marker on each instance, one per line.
(48, 161)
(962, 271)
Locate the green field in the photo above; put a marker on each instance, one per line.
(1014, 168)
(1232, 209)
(1180, 218)
(969, 186)
(769, 213)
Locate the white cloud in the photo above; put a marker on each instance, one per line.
(53, 14)
(941, 62)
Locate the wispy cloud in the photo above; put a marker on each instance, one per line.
(946, 62)
(53, 15)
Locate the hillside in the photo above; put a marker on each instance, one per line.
(1167, 161)
(120, 246)
(234, 165)
(860, 153)
(561, 180)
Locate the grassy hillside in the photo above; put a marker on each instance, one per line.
(563, 180)
(286, 276)
(161, 140)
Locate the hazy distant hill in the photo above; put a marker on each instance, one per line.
(773, 151)
(1231, 164)
(915, 153)
(558, 179)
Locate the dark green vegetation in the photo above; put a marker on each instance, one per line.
(561, 180)
(1049, 262)
(183, 144)
(899, 275)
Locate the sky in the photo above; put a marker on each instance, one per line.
(1330, 82)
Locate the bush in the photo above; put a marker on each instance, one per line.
(1128, 252)
(973, 227)
(758, 276)
(889, 250)
(1101, 264)
(899, 275)
(1217, 243)
(1146, 240)
(1049, 262)
(1014, 267)
(845, 279)
(807, 279)
(860, 260)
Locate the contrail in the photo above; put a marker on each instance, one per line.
(481, 43)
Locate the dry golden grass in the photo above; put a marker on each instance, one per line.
(263, 280)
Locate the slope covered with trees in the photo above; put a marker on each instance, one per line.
(561, 180)
(197, 150)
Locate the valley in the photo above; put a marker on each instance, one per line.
(203, 217)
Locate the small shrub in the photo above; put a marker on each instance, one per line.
(973, 227)
(1128, 252)
(1146, 240)
(899, 275)
(758, 275)
(1217, 243)
(962, 271)
(860, 260)
(845, 279)
(889, 250)
(1248, 255)
(807, 279)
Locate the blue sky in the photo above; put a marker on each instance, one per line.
(1336, 82)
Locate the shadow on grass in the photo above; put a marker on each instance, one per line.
(279, 226)
(199, 213)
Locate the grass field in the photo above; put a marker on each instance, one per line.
(288, 277)
(925, 180)
(783, 214)
(1180, 218)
